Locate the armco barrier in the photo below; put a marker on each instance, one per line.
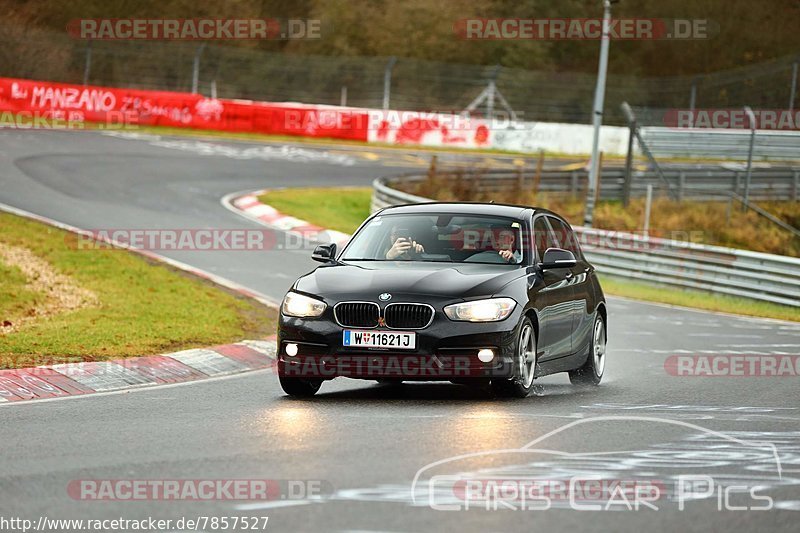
(766, 277)
(696, 184)
(710, 143)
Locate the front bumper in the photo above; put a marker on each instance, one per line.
(445, 350)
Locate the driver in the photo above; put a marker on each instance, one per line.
(505, 246)
(403, 246)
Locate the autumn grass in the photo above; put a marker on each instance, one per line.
(142, 307)
(346, 212)
(715, 222)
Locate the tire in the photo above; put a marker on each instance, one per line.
(299, 387)
(521, 384)
(591, 373)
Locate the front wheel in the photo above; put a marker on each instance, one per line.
(521, 384)
(591, 373)
(299, 387)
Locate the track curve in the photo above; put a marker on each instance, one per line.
(367, 442)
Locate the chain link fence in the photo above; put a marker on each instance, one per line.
(239, 72)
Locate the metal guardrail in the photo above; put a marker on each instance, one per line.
(759, 276)
(695, 184)
(722, 144)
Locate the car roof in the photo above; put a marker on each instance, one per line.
(470, 208)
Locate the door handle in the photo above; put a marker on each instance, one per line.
(569, 275)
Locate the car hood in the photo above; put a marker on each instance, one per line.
(366, 280)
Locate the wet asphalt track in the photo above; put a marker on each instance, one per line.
(367, 442)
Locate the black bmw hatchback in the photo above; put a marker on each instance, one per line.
(462, 292)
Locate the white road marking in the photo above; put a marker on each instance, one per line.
(729, 336)
(272, 505)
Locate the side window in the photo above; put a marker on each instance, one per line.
(543, 237)
(565, 236)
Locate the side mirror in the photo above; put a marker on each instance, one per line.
(324, 253)
(557, 258)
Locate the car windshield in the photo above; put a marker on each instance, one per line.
(450, 238)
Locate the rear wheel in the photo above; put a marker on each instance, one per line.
(521, 384)
(299, 387)
(591, 373)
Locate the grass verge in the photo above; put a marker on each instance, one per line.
(343, 211)
(141, 307)
(324, 207)
(651, 292)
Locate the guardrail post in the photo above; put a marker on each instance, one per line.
(736, 182)
(596, 191)
(432, 168)
(692, 100)
(647, 206)
(537, 180)
(795, 185)
(387, 81)
(196, 68)
(681, 184)
(752, 118)
(626, 187)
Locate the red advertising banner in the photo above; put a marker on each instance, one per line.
(42, 104)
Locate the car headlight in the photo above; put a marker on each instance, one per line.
(295, 304)
(490, 310)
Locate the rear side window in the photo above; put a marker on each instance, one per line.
(565, 237)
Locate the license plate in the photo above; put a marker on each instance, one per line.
(379, 339)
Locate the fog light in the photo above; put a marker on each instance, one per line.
(486, 355)
(291, 349)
